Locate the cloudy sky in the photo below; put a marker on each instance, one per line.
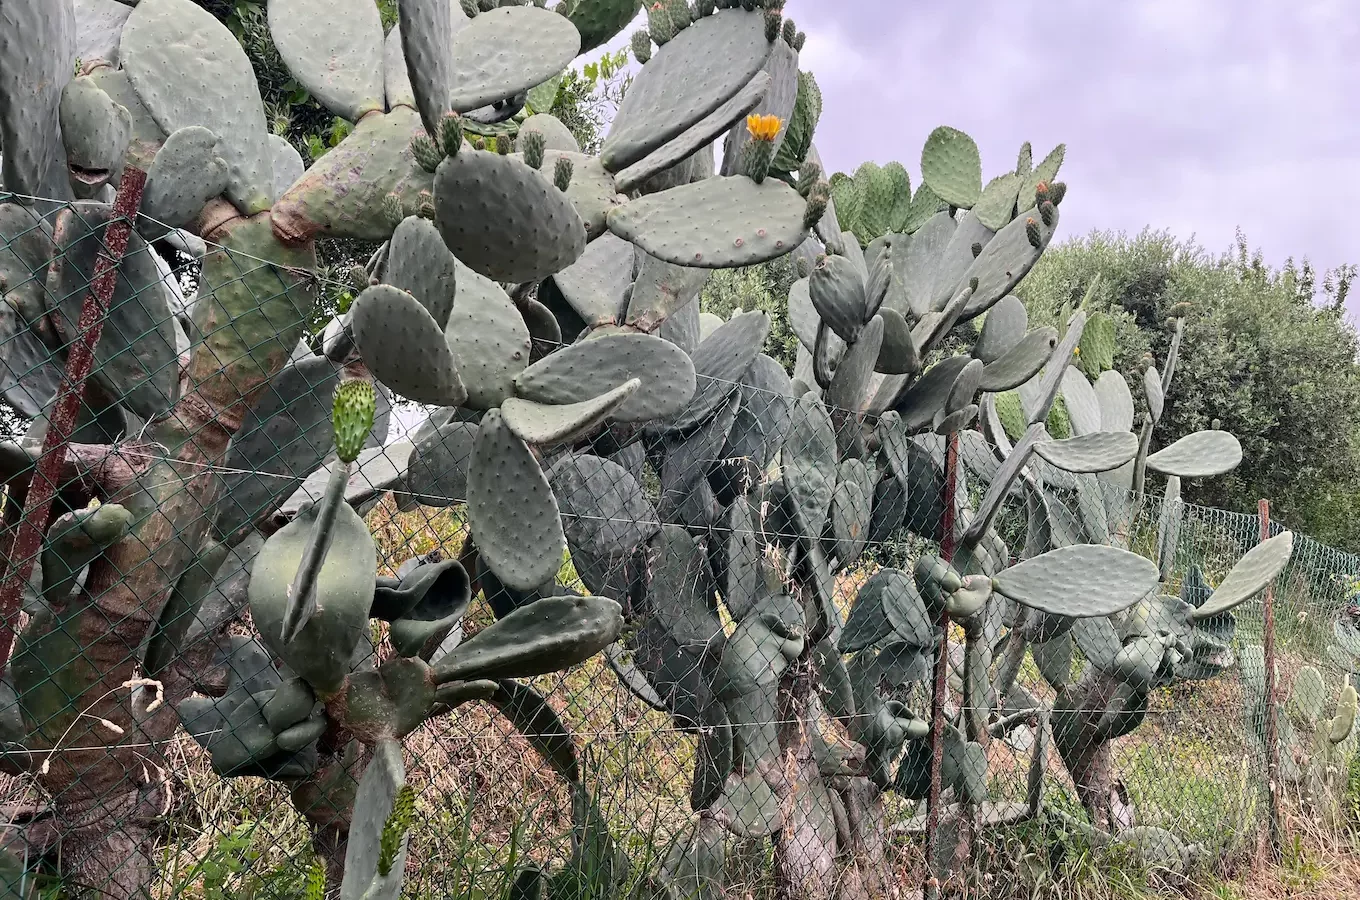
(1196, 116)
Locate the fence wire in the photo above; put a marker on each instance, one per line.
(770, 690)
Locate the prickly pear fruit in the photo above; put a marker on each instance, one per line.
(392, 209)
(352, 417)
(451, 134)
(1032, 232)
(531, 145)
(642, 46)
(562, 173)
(426, 153)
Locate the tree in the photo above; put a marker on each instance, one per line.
(1265, 353)
(765, 288)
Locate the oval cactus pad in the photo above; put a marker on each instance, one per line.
(508, 50)
(404, 346)
(592, 367)
(1081, 581)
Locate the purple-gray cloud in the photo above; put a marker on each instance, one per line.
(1197, 116)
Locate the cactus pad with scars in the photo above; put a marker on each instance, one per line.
(170, 44)
(511, 508)
(504, 219)
(1100, 451)
(1079, 581)
(1006, 260)
(438, 469)
(951, 167)
(546, 425)
(420, 264)
(1257, 569)
(489, 339)
(716, 223)
(1198, 455)
(545, 636)
(688, 78)
(186, 173)
(597, 284)
(660, 289)
(508, 50)
(404, 347)
(96, 132)
(334, 50)
(590, 368)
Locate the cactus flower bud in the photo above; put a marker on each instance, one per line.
(1036, 238)
(1041, 192)
(977, 249)
(1056, 191)
(451, 133)
(659, 23)
(352, 417)
(562, 173)
(426, 153)
(799, 41)
(642, 46)
(487, 5)
(808, 175)
(531, 144)
(774, 23)
(393, 210)
(358, 277)
(817, 199)
(1047, 212)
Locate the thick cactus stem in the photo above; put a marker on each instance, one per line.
(532, 145)
(562, 173)
(642, 46)
(451, 134)
(302, 592)
(425, 151)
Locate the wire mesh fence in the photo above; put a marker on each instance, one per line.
(787, 578)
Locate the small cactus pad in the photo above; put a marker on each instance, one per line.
(287, 163)
(1040, 402)
(374, 804)
(1079, 398)
(597, 285)
(1257, 568)
(545, 636)
(605, 515)
(344, 589)
(1022, 362)
(1156, 395)
(1044, 173)
(1080, 581)
(1343, 724)
(504, 219)
(1003, 328)
(37, 58)
(1310, 693)
(511, 508)
(660, 290)
(1116, 402)
(438, 470)
(719, 362)
(425, 28)
(600, 20)
(898, 354)
(995, 207)
(698, 137)
(716, 223)
(837, 290)
(404, 347)
(1006, 260)
(929, 395)
(186, 173)
(334, 50)
(420, 264)
(190, 70)
(916, 263)
(556, 135)
(688, 78)
(488, 337)
(99, 25)
(1199, 455)
(1097, 452)
(544, 425)
(508, 50)
(592, 190)
(951, 167)
(590, 368)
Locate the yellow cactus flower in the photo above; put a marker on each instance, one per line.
(763, 128)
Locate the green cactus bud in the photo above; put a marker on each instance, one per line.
(799, 41)
(804, 267)
(478, 142)
(451, 133)
(1036, 239)
(486, 5)
(352, 417)
(426, 153)
(358, 277)
(395, 828)
(774, 23)
(562, 173)
(659, 23)
(426, 210)
(1216, 425)
(681, 14)
(977, 249)
(817, 199)
(503, 143)
(1179, 310)
(470, 8)
(790, 33)
(642, 46)
(808, 175)
(973, 284)
(1056, 192)
(1046, 212)
(531, 144)
(392, 209)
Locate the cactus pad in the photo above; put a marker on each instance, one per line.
(556, 135)
(1022, 362)
(1198, 455)
(716, 223)
(1003, 328)
(186, 173)
(779, 99)
(546, 636)
(1116, 402)
(438, 469)
(605, 515)
(660, 290)
(546, 425)
(511, 508)
(420, 264)
(1006, 260)
(951, 167)
(597, 285)
(1081, 581)
(592, 190)
(688, 78)
(170, 45)
(334, 50)
(37, 58)
(1097, 452)
(508, 50)
(719, 362)
(1044, 173)
(489, 339)
(504, 219)
(428, 25)
(996, 205)
(1254, 572)
(96, 132)
(404, 346)
(374, 804)
(809, 464)
(590, 368)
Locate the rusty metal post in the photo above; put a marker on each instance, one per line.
(26, 538)
(941, 681)
(1272, 719)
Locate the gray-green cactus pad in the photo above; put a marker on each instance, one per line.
(1006, 260)
(547, 635)
(849, 386)
(590, 368)
(782, 70)
(716, 223)
(425, 49)
(1198, 455)
(1081, 581)
(897, 355)
(660, 290)
(420, 264)
(719, 362)
(396, 80)
(508, 50)
(698, 137)
(1039, 402)
(438, 470)
(136, 359)
(1083, 406)
(1022, 362)
(511, 508)
(605, 515)
(1252, 574)
(1003, 328)
(545, 425)
(597, 284)
(928, 396)
(37, 58)
(190, 70)
(592, 190)
(688, 78)
(287, 164)
(809, 464)
(803, 316)
(916, 263)
(99, 25)
(373, 802)
(96, 132)
(488, 337)
(504, 219)
(334, 50)
(1100, 451)
(186, 173)
(951, 167)
(556, 135)
(851, 506)
(1116, 402)
(1045, 172)
(996, 205)
(404, 347)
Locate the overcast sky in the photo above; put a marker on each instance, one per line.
(1196, 116)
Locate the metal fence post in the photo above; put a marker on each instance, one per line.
(1272, 723)
(941, 681)
(26, 538)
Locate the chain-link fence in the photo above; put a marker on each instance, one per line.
(776, 704)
